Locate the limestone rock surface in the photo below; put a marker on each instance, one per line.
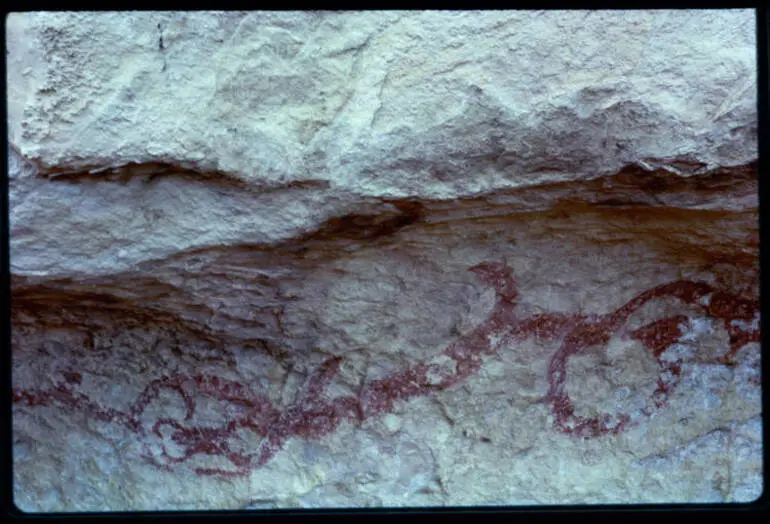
(326, 259)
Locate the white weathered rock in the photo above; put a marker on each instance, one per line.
(434, 105)
(245, 222)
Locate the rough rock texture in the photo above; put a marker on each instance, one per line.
(383, 259)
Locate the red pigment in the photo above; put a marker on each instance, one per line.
(314, 414)
(658, 336)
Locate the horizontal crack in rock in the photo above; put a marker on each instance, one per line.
(640, 179)
(367, 227)
(150, 171)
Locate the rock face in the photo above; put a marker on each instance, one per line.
(324, 259)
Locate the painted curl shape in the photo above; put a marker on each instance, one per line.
(315, 414)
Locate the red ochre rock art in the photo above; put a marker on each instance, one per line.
(314, 414)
